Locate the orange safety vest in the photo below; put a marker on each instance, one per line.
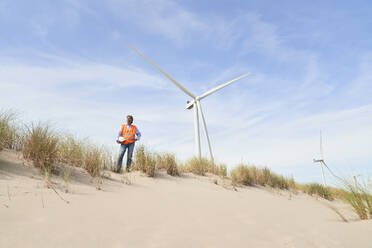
(128, 135)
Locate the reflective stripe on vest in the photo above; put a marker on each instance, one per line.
(128, 135)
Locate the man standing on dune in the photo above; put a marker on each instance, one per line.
(127, 138)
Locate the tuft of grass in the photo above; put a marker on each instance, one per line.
(41, 146)
(318, 190)
(221, 170)
(71, 151)
(8, 130)
(241, 175)
(168, 162)
(93, 160)
(251, 175)
(359, 197)
(145, 161)
(200, 166)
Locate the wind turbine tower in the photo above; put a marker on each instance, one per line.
(321, 160)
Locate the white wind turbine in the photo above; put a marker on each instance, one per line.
(321, 160)
(194, 103)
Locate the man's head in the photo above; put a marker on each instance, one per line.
(129, 119)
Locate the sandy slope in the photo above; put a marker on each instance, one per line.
(186, 211)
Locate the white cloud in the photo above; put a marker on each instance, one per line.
(163, 17)
(103, 75)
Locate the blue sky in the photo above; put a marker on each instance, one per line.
(311, 62)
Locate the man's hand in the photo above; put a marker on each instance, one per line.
(117, 141)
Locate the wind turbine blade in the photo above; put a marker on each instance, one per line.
(223, 85)
(205, 130)
(163, 72)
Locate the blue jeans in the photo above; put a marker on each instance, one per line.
(123, 148)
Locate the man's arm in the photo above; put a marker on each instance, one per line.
(138, 133)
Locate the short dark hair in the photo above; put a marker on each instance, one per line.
(130, 116)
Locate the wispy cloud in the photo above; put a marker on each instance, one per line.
(162, 17)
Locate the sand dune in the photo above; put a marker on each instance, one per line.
(187, 211)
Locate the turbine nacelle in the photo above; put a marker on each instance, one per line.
(318, 160)
(190, 104)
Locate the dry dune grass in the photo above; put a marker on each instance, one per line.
(318, 190)
(202, 166)
(359, 197)
(8, 130)
(167, 161)
(41, 146)
(71, 151)
(251, 175)
(145, 161)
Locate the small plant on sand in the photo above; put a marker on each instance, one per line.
(47, 177)
(41, 146)
(66, 177)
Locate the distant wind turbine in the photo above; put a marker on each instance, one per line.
(194, 103)
(321, 160)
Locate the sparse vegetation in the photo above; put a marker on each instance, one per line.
(47, 149)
